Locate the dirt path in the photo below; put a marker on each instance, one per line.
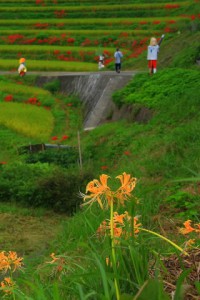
(49, 73)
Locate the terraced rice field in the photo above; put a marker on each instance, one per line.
(67, 36)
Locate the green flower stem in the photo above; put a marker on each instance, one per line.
(113, 251)
(165, 239)
(13, 294)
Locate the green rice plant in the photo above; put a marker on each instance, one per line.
(31, 121)
(22, 89)
(25, 49)
(91, 21)
(45, 65)
(76, 32)
(82, 8)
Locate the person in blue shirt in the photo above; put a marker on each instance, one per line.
(118, 56)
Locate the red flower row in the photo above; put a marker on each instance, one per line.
(63, 138)
(32, 101)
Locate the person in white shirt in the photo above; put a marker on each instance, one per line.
(22, 67)
(118, 56)
(101, 61)
(152, 54)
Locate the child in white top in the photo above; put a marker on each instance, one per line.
(152, 54)
(22, 67)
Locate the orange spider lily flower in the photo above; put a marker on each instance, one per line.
(59, 261)
(136, 225)
(4, 264)
(188, 228)
(128, 183)
(119, 218)
(121, 226)
(189, 244)
(98, 189)
(7, 285)
(15, 260)
(54, 258)
(10, 261)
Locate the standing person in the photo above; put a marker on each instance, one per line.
(22, 67)
(118, 56)
(101, 61)
(152, 54)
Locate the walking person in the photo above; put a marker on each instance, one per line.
(118, 56)
(22, 67)
(152, 54)
(101, 61)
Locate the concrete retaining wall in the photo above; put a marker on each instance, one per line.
(94, 90)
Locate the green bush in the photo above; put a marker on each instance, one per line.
(60, 190)
(62, 157)
(53, 86)
(167, 85)
(185, 204)
(42, 185)
(17, 181)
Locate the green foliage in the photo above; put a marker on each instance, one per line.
(53, 86)
(61, 157)
(187, 57)
(185, 204)
(18, 180)
(167, 86)
(60, 190)
(42, 185)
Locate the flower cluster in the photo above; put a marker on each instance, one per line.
(8, 98)
(39, 2)
(7, 285)
(59, 13)
(63, 138)
(188, 227)
(172, 6)
(122, 225)
(101, 192)
(9, 262)
(33, 101)
(58, 261)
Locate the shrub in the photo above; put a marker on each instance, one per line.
(17, 181)
(42, 185)
(60, 190)
(53, 86)
(62, 157)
